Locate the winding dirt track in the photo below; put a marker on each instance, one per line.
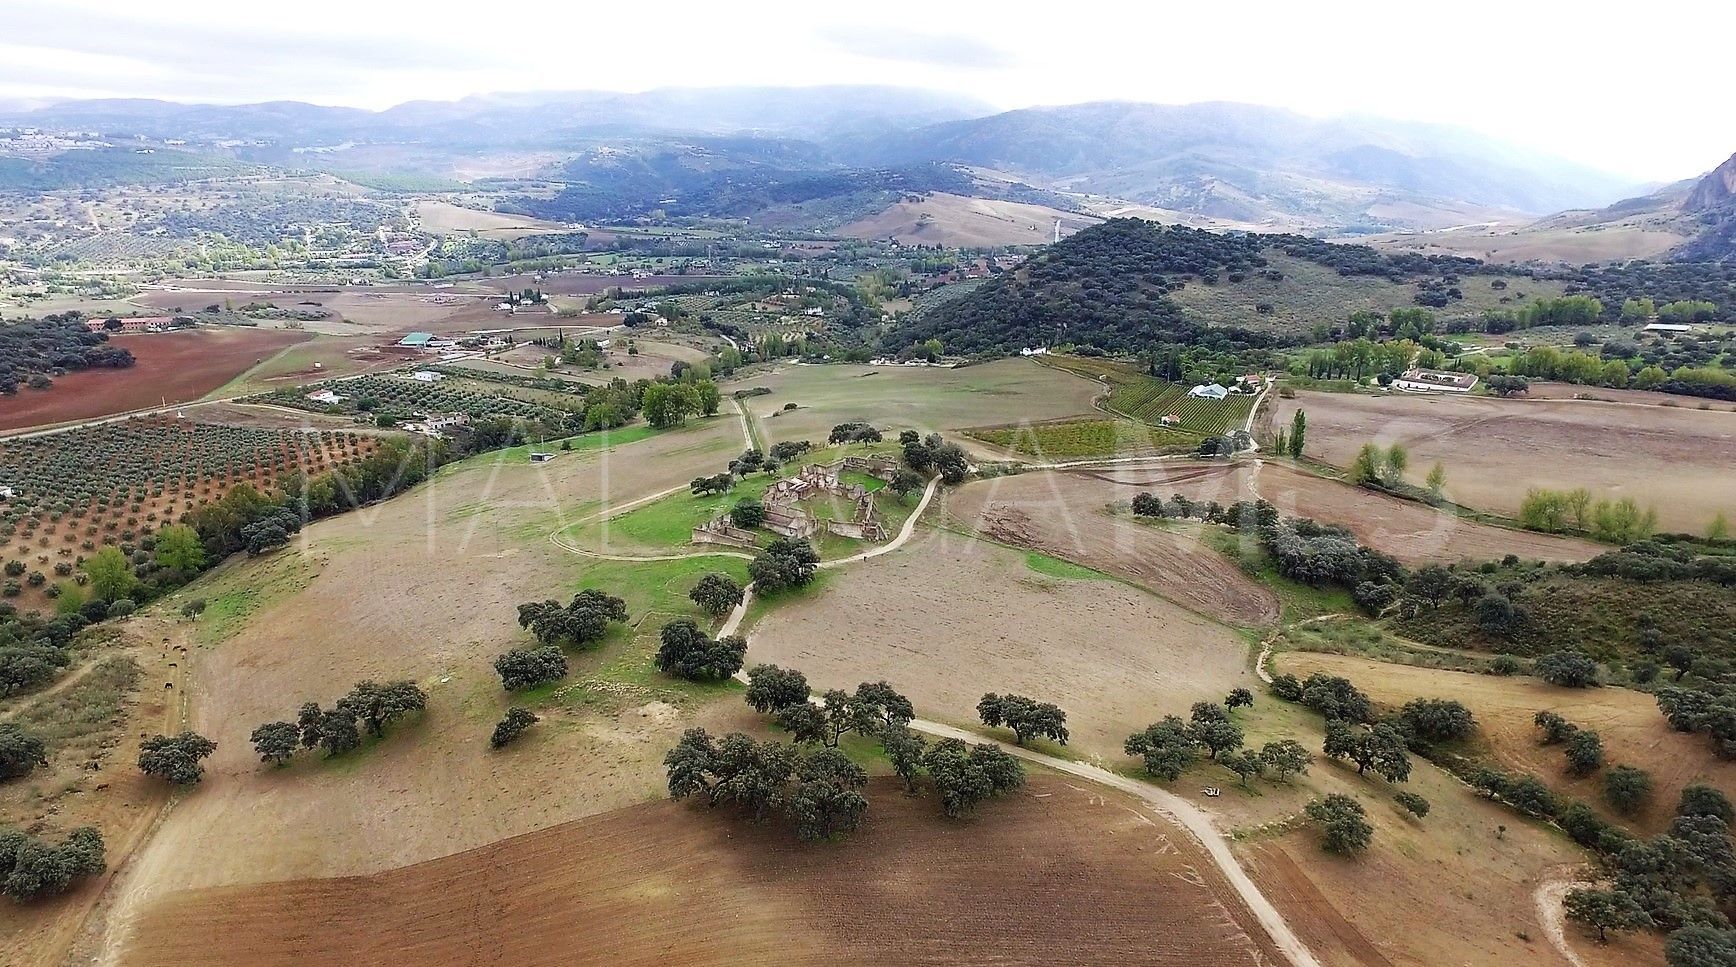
(1184, 813)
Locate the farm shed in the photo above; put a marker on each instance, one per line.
(1435, 381)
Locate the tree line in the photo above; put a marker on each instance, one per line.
(812, 783)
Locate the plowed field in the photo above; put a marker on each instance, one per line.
(1053, 874)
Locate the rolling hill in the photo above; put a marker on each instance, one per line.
(1255, 164)
(1688, 221)
(822, 157)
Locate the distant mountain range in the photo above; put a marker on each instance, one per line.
(1691, 221)
(1249, 163)
(1235, 165)
(540, 118)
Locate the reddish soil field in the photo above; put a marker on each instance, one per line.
(1412, 532)
(1063, 514)
(1052, 874)
(173, 367)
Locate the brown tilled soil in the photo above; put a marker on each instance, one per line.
(1628, 722)
(950, 617)
(1064, 514)
(1677, 459)
(1053, 874)
(1412, 532)
(421, 587)
(172, 367)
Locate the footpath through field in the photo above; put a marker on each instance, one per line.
(1185, 814)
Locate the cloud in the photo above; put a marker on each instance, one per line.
(909, 46)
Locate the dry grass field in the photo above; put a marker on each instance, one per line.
(1055, 872)
(1309, 293)
(951, 617)
(943, 219)
(1452, 888)
(90, 719)
(421, 587)
(1409, 531)
(1641, 237)
(445, 218)
(1632, 729)
(1064, 514)
(920, 397)
(1612, 449)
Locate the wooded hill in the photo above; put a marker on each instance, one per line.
(1128, 285)
(1113, 287)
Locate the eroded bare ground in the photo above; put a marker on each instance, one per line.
(1053, 873)
(1065, 514)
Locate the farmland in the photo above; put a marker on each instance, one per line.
(1065, 514)
(171, 367)
(1410, 531)
(929, 399)
(1063, 439)
(401, 394)
(1148, 399)
(1056, 868)
(976, 617)
(1613, 449)
(117, 483)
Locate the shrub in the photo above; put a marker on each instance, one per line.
(1343, 827)
(1437, 719)
(523, 668)
(1568, 669)
(1703, 800)
(515, 723)
(32, 868)
(687, 652)
(1584, 752)
(1412, 803)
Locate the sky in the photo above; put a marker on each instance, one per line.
(1638, 90)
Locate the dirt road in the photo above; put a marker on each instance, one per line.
(1184, 813)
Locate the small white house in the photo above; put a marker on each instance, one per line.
(1435, 381)
(1671, 327)
(1170, 419)
(1039, 351)
(427, 376)
(1208, 391)
(326, 396)
(5, 492)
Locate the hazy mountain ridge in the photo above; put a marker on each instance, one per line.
(1165, 154)
(1234, 163)
(532, 116)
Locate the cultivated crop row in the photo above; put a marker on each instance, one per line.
(402, 395)
(73, 492)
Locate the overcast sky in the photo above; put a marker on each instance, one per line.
(1639, 89)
